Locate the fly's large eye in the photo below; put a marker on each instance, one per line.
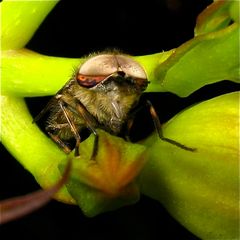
(101, 65)
(89, 81)
(131, 67)
(96, 69)
(134, 70)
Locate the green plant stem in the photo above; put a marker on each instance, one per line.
(20, 20)
(27, 73)
(27, 143)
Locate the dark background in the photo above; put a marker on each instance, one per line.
(75, 29)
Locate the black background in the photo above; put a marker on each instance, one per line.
(75, 29)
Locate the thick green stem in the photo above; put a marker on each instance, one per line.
(20, 20)
(27, 143)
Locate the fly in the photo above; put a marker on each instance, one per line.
(102, 93)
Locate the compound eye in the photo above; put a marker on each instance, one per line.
(131, 67)
(100, 65)
(89, 81)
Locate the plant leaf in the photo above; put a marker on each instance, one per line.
(215, 17)
(203, 60)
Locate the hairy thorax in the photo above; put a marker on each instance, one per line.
(110, 109)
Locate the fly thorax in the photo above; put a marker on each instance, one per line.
(110, 103)
(114, 108)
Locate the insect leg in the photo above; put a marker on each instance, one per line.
(56, 139)
(158, 127)
(95, 146)
(90, 122)
(128, 128)
(72, 126)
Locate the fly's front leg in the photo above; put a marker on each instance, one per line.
(90, 123)
(129, 125)
(158, 127)
(60, 143)
(95, 146)
(72, 126)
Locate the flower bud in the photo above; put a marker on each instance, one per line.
(107, 181)
(200, 188)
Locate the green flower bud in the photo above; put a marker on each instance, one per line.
(108, 181)
(201, 188)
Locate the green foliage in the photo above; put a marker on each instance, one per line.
(108, 181)
(187, 183)
(20, 19)
(200, 189)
